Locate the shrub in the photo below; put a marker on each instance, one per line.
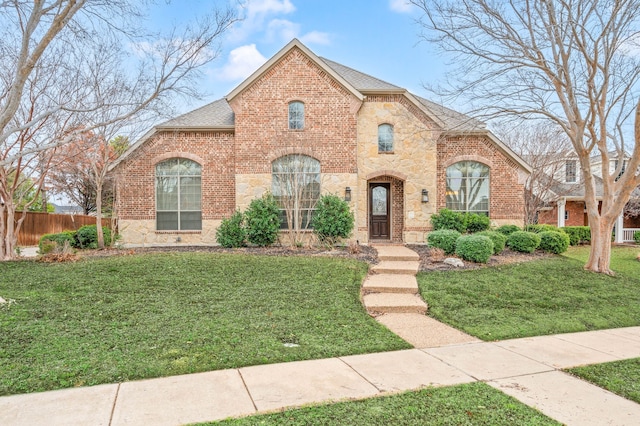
(476, 248)
(499, 240)
(577, 234)
(262, 221)
(477, 222)
(87, 237)
(636, 237)
(231, 233)
(444, 239)
(332, 220)
(554, 241)
(447, 219)
(538, 228)
(522, 241)
(508, 229)
(49, 242)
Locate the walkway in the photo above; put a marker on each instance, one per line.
(527, 369)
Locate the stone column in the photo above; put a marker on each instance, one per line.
(620, 229)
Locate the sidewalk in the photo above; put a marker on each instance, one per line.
(527, 369)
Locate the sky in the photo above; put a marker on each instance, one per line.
(377, 37)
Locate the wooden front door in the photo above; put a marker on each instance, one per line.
(379, 208)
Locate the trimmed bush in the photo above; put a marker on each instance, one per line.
(231, 233)
(577, 234)
(476, 248)
(522, 241)
(554, 241)
(499, 240)
(444, 239)
(262, 221)
(477, 222)
(333, 219)
(543, 227)
(636, 237)
(87, 237)
(447, 219)
(508, 229)
(49, 242)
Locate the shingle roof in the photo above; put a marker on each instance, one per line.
(575, 190)
(453, 120)
(360, 80)
(215, 114)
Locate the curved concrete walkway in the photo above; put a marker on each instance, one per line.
(527, 369)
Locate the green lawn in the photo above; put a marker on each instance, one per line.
(469, 404)
(619, 377)
(132, 317)
(536, 298)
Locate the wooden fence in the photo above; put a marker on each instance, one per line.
(37, 224)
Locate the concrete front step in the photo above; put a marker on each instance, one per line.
(390, 283)
(396, 267)
(396, 253)
(388, 303)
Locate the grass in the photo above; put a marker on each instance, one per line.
(538, 297)
(619, 377)
(469, 404)
(132, 317)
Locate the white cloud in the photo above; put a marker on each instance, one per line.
(242, 61)
(256, 12)
(400, 6)
(282, 30)
(316, 37)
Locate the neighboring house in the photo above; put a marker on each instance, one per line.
(67, 209)
(565, 205)
(396, 157)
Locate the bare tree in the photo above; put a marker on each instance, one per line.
(575, 63)
(71, 66)
(545, 148)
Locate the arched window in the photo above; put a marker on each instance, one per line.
(468, 187)
(296, 115)
(385, 138)
(296, 186)
(178, 195)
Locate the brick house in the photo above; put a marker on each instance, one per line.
(396, 157)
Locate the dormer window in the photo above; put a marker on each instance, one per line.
(296, 115)
(570, 171)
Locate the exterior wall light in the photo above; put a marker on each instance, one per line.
(347, 194)
(425, 196)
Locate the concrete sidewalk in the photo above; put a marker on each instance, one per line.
(524, 368)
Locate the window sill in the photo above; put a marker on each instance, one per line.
(177, 231)
(386, 152)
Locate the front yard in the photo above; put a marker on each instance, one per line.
(536, 298)
(131, 317)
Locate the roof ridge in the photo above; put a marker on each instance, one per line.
(329, 62)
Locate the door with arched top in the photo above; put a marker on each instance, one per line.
(379, 211)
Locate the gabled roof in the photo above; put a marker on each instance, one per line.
(217, 114)
(453, 120)
(361, 81)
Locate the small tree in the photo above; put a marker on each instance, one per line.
(262, 221)
(333, 219)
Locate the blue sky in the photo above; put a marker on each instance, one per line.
(378, 37)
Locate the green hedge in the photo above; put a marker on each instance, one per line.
(508, 229)
(554, 241)
(499, 240)
(232, 233)
(444, 239)
(522, 241)
(332, 220)
(477, 222)
(461, 222)
(87, 237)
(538, 228)
(48, 242)
(577, 234)
(476, 248)
(262, 221)
(636, 237)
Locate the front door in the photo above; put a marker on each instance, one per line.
(379, 207)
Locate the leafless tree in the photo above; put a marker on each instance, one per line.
(575, 63)
(71, 66)
(545, 148)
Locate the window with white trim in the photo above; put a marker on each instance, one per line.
(468, 187)
(296, 115)
(178, 195)
(385, 138)
(295, 185)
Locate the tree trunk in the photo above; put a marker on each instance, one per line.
(9, 236)
(600, 254)
(99, 216)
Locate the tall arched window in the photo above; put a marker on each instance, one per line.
(178, 195)
(296, 186)
(468, 187)
(385, 138)
(296, 115)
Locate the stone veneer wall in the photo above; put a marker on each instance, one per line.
(506, 184)
(411, 167)
(136, 185)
